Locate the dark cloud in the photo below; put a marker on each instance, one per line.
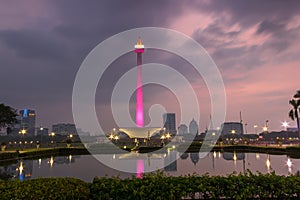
(269, 27)
(32, 44)
(248, 13)
(40, 58)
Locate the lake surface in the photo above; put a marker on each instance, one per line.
(86, 167)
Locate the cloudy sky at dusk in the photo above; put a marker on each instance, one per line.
(255, 45)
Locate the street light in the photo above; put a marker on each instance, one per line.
(23, 132)
(168, 136)
(285, 124)
(52, 134)
(265, 129)
(111, 137)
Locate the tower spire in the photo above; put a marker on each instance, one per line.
(139, 117)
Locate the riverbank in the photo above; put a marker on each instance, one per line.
(7, 156)
(157, 186)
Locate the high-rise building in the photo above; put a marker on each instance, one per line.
(193, 127)
(28, 121)
(232, 128)
(139, 117)
(169, 122)
(182, 129)
(64, 129)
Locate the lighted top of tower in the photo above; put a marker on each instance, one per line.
(139, 44)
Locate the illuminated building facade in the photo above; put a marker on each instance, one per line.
(27, 119)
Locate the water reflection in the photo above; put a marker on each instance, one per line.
(139, 168)
(289, 164)
(194, 158)
(87, 167)
(268, 164)
(51, 161)
(257, 156)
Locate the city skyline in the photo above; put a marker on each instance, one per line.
(254, 45)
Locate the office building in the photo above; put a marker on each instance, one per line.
(27, 119)
(232, 128)
(169, 123)
(64, 129)
(182, 129)
(193, 127)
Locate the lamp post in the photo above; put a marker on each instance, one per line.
(255, 128)
(233, 134)
(285, 124)
(23, 132)
(52, 134)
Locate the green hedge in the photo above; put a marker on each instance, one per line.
(45, 188)
(157, 186)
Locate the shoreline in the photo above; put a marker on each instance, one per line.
(11, 156)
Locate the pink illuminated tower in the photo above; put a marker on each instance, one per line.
(139, 117)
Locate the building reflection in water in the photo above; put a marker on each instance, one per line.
(23, 170)
(194, 158)
(184, 156)
(235, 157)
(170, 161)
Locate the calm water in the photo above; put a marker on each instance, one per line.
(86, 167)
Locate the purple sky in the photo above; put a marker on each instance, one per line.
(254, 43)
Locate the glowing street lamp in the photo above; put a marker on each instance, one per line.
(52, 134)
(111, 136)
(285, 124)
(265, 129)
(23, 132)
(168, 136)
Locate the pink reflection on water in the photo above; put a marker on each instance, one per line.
(139, 168)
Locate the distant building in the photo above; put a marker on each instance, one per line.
(27, 121)
(182, 129)
(64, 129)
(169, 122)
(193, 127)
(232, 128)
(42, 131)
(292, 129)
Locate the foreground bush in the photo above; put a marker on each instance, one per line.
(45, 188)
(157, 186)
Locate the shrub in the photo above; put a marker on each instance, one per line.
(45, 188)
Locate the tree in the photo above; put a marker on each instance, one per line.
(294, 112)
(297, 95)
(7, 115)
